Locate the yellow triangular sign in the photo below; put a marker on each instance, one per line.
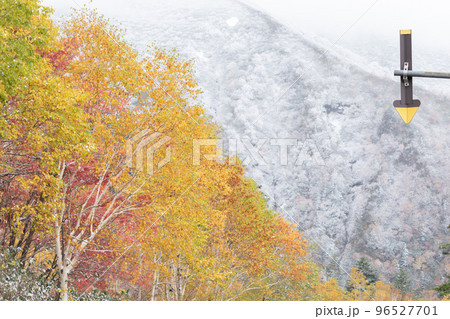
(406, 113)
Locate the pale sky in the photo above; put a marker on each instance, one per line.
(330, 18)
(366, 21)
(429, 19)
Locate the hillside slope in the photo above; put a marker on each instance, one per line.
(366, 184)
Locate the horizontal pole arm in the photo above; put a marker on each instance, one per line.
(422, 74)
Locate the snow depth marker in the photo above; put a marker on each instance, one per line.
(407, 106)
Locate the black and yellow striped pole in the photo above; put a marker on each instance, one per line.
(407, 106)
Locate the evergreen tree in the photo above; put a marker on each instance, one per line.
(332, 270)
(365, 267)
(402, 281)
(444, 289)
(367, 270)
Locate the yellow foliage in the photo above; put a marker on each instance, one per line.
(329, 291)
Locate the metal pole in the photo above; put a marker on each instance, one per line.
(406, 86)
(422, 74)
(406, 106)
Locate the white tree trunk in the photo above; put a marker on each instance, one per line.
(63, 286)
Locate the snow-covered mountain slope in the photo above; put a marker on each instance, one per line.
(370, 29)
(359, 182)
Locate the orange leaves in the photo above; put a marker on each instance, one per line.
(329, 291)
(184, 232)
(362, 290)
(101, 63)
(385, 292)
(292, 250)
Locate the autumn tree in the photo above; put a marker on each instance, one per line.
(362, 290)
(358, 286)
(98, 189)
(25, 28)
(329, 291)
(40, 124)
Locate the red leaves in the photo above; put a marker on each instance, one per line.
(194, 231)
